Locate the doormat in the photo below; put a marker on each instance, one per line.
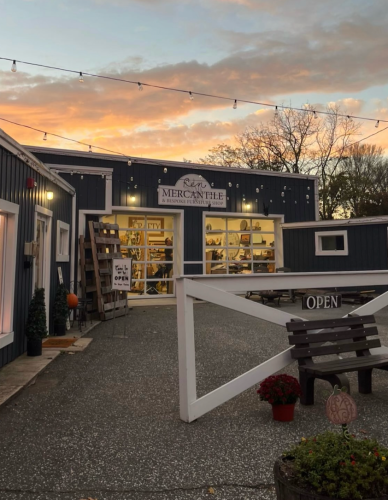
(58, 342)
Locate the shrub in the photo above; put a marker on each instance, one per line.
(60, 308)
(36, 327)
(330, 465)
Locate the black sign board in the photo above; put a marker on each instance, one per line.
(329, 301)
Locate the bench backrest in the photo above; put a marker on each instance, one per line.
(308, 344)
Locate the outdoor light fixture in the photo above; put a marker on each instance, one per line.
(13, 67)
(45, 136)
(140, 86)
(129, 163)
(191, 96)
(248, 206)
(377, 124)
(235, 104)
(50, 195)
(90, 149)
(165, 170)
(132, 199)
(81, 78)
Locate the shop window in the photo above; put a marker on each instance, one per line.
(331, 243)
(149, 241)
(9, 213)
(63, 239)
(239, 245)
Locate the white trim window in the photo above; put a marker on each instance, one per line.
(9, 214)
(330, 243)
(63, 239)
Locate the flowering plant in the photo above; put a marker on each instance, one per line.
(280, 390)
(332, 466)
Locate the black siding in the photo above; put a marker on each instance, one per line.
(367, 249)
(13, 182)
(294, 205)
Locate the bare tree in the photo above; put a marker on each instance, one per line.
(299, 142)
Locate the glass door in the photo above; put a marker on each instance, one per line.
(40, 238)
(149, 241)
(3, 221)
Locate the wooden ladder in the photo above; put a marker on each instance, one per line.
(105, 246)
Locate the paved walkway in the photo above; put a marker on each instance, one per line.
(104, 423)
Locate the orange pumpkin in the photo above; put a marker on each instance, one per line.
(341, 408)
(72, 300)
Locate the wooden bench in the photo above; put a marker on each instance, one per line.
(345, 335)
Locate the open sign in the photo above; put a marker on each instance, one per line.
(329, 301)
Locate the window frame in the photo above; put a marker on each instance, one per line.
(11, 211)
(318, 244)
(63, 227)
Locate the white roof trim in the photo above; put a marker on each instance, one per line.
(383, 219)
(165, 163)
(78, 168)
(27, 157)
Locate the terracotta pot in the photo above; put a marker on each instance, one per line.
(287, 491)
(283, 413)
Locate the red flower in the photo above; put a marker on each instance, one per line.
(353, 462)
(376, 453)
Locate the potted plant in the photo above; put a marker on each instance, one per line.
(334, 464)
(60, 310)
(282, 392)
(36, 327)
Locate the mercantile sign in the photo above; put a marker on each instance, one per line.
(192, 190)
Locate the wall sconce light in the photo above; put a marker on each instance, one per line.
(50, 195)
(248, 206)
(132, 199)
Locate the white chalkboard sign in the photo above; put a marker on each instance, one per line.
(122, 275)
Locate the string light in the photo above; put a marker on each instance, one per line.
(191, 96)
(315, 115)
(81, 78)
(13, 67)
(161, 87)
(90, 149)
(377, 124)
(235, 104)
(45, 136)
(276, 112)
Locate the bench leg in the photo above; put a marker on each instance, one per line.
(307, 385)
(340, 380)
(365, 381)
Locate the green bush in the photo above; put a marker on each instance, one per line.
(60, 308)
(332, 466)
(36, 327)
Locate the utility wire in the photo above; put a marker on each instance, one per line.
(189, 92)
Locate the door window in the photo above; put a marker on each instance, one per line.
(3, 221)
(39, 259)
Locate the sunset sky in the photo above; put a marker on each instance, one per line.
(276, 51)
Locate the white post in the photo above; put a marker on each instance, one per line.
(186, 350)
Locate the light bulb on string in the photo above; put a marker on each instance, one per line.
(139, 86)
(276, 112)
(45, 136)
(235, 104)
(81, 78)
(377, 124)
(90, 149)
(191, 97)
(13, 67)
(315, 115)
